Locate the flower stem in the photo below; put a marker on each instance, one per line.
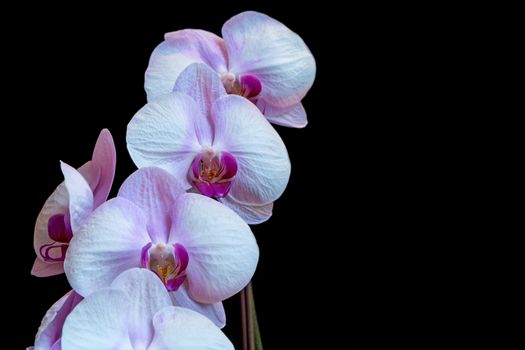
(244, 320)
(256, 334)
(251, 336)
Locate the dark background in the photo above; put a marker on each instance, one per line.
(333, 256)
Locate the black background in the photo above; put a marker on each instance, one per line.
(332, 266)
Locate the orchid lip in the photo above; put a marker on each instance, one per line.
(167, 261)
(59, 228)
(46, 251)
(247, 85)
(251, 86)
(213, 174)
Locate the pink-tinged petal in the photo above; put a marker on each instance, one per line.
(293, 116)
(154, 190)
(147, 295)
(214, 312)
(105, 158)
(177, 328)
(222, 250)
(44, 269)
(91, 172)
(80, 196)
(50, 329)
(203, 85)
(259, 45)
(99, 322)
(162, 134)
(262, 159)
(251, 214)
(180, 49)
(109, 242)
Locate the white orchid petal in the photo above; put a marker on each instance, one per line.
(214, 312)
(259, 45)
(262, 158)
(163, 134)
(99, 322)
(251, 214)
(80, 196)
(147, 295)
(108, 243)
(222, 250)
(180, 49)
(183, 329)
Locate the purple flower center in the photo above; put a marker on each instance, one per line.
(169, 262)
(59, 230)
(212, 174)
(247, 86)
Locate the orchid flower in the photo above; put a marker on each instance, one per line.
(258, 58)
(201, 250)
(220, 145)
(50, 330)
(69, 205)
(134, 313)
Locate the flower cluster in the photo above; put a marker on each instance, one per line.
(150, 268)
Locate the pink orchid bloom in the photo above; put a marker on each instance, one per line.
(68, 206)
(220, 145)
(136, 312)
(258, 58)
(201, 250)
(50, 330)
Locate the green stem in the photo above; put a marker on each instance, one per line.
(244, 320)
(255, 334)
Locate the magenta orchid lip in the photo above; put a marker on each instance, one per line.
(212, 174)
(59, 228)
(168, 262)
(248, 86)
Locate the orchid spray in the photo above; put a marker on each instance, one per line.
(150, 268)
